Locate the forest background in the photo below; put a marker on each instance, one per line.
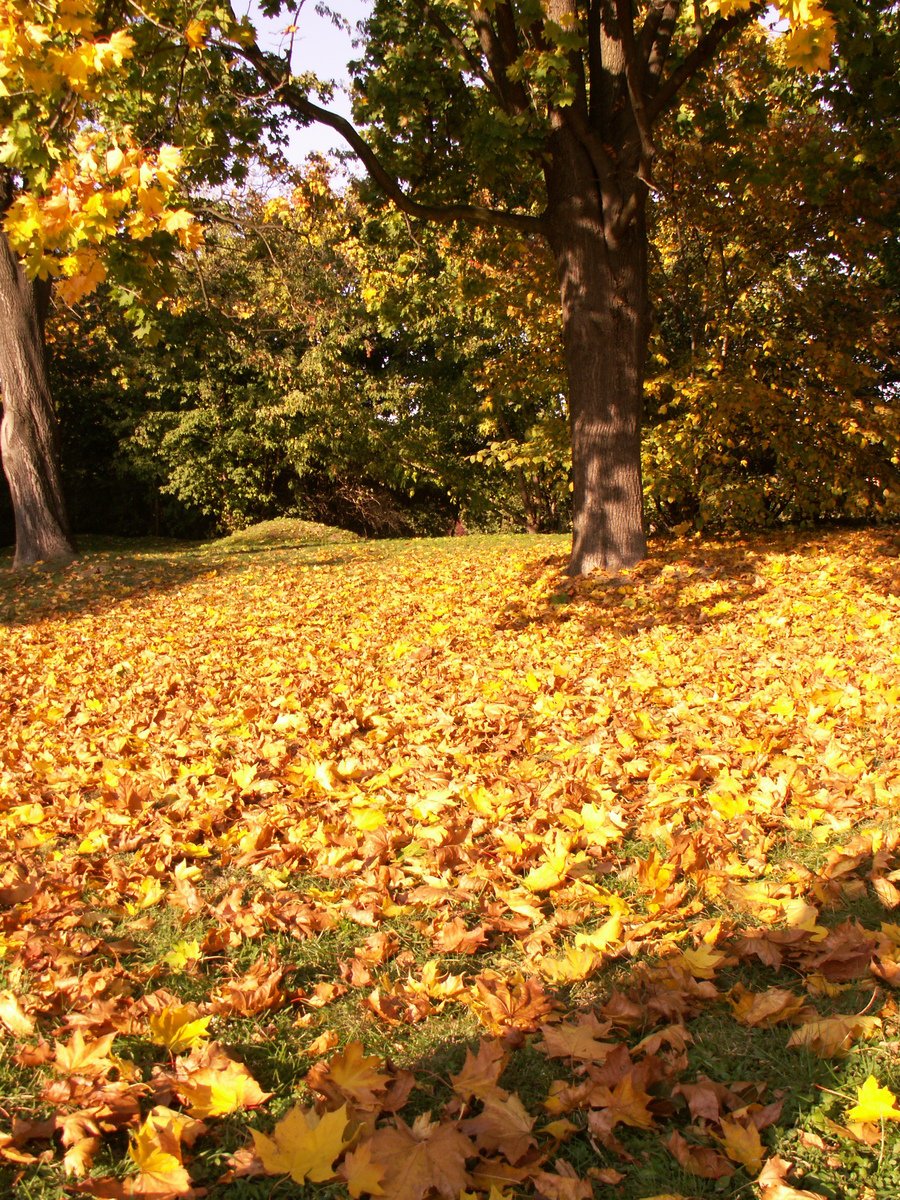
(323, 356)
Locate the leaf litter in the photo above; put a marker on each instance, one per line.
(584, 817)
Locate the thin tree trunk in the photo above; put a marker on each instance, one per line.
(603, 285)
(29, 439)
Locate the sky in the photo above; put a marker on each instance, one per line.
(319, 47)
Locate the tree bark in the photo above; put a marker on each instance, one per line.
(605, 312)
(29, 438)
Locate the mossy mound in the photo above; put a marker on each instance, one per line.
(286, 531)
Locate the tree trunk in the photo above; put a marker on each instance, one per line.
(29, 440)
(605, 309)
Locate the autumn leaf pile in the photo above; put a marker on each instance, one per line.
(419, 869)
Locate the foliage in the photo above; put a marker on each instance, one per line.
(440, 873)
(773, 385)
(318, 361)
(107, 113)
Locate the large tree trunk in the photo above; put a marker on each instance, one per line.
(603, 285)
(29, 440)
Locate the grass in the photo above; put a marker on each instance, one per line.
(282, 743)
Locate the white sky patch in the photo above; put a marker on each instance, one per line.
(321, 47)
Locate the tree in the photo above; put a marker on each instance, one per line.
(92, 97)
(771, 386)
(552, 107)
(321, 360)
(28, 433)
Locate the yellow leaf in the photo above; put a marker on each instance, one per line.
(195, 34)
(168, 166)
(361, 1173)
(14, 1017)
(742, 1144)
(702, 962)
(603, 937)
(181, 954)
(155, 1149)
(304, 1145)
(179, 1028)
(873, 1103)
(78, 1057)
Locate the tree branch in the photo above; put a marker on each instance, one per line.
(473, 62)
(625, 18)
(701, 54)
(501, 53)
(298, 103)
(656, 38)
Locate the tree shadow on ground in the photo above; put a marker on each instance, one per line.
(112, 571)
(729, 1070)
(684, 584)
(678, 585)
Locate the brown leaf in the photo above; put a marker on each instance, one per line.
(577, 1039)
(699, 1160)
(350, 1075)
(773, 1184)
(422, 1158)
(504, 1125)
(480, 1073)
(562, 1184)
(503, 1004)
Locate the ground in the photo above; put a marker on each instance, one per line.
(481, 876)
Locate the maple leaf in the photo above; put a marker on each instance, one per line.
(563, 1184)
(455, 937)
(195, 34)
(362, 1175)
(742, 1144)
(573, 965)
(78, 1057)
(350, 1075)
(602, 938)
(480, 1074)
(214, 1085)
(766, 1008)
(515, 1003)
(626, 1103)
(327, 1040)
(156, 1151)
(577, 1039)
(702, 962)
(304, 1145)
(178, 1028)
(14, 1017)
(427, 1156)
(773, 1186)
(79, 1156)
(699, 1160)
(873, 1103)
(832, 1037)
(182, 954)
(504, 1125)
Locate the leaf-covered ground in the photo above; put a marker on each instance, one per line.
(417, 870)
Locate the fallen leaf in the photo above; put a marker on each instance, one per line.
(304, 1145)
